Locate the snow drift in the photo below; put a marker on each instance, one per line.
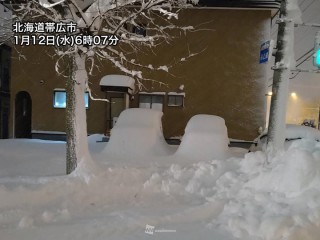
(260, 201)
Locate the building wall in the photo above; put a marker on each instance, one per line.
(5, 54)
(223, 79)
(34, 72)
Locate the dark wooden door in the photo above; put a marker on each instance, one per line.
(5, 123)
(117, 106)
(23, 111)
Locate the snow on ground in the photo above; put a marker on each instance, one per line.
(216, 199)
(241, 197)
(22, 157)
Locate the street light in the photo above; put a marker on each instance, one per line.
(294, 95)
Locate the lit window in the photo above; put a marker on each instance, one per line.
(60, 99)
(151, 101)
(175, 100)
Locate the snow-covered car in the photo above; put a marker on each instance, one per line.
(293, 133)
(205, 138)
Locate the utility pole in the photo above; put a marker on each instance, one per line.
(280, 87)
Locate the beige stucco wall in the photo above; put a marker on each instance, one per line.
(224, 79)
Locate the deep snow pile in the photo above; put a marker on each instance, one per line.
(215, 199)
(276, 201)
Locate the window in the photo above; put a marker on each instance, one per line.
(175, 100)
(136, 28)
(60, 99)
(140, 30)
(151, 101)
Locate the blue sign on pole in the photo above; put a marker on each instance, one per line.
(264, 52)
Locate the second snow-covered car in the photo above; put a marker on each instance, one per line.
(293, 132)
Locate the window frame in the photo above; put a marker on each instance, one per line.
(175, 97)
(151, 96)
(64, 91)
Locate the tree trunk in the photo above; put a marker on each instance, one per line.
(280, 87)
(76, 124)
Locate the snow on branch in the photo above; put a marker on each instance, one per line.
(46, 4)
(139, 25)
(5, 25)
